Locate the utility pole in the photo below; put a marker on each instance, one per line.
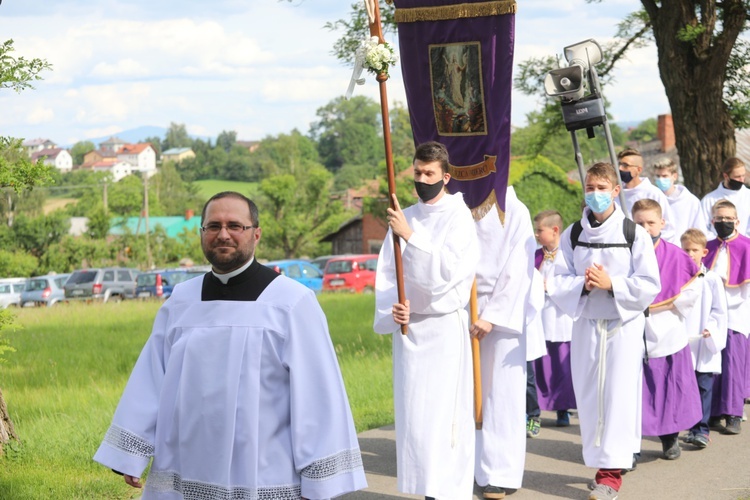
(145, 214)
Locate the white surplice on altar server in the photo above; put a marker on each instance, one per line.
(432, 364)
(607, 344)
(504, 279)
(237, 399)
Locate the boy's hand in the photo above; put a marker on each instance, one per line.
(706, 334)
(597, 277)
(480, 329)
(397, 221)
(401, 313)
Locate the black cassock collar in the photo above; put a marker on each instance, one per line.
(246, 286)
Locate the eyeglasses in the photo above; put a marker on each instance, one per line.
(725, 219)
(232, 228)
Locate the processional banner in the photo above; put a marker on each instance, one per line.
(457, 64)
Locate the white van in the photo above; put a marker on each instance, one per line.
(10, 291)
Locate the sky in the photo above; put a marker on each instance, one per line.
(258, 67)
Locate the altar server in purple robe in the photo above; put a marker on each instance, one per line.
(671, 401)
(553, 378)
(606, 283)
(707, 333)
(729, 257)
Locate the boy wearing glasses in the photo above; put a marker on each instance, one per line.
(729, 257)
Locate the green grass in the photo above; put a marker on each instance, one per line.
(72, 362)
(208, 188)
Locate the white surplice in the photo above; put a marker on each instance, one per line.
(504, 278)
(432, 364)
(686, 211)
(711, 315)
(237, 399)
(647, 190)
(741, 200)
(607, 343)
(557, 325)
(536, 347)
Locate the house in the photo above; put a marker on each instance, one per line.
(113, 144)
(176, 155)
(34, 145)
(96, 156)
(141, 156)
(361, 234)
(118, 169)
(56, 157)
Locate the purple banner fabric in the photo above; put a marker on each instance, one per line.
(738, 248)
(676, 269)
(458, 78)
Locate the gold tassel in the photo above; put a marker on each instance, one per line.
(484, 208)
(456, 11)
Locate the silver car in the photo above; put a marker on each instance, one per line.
(44, 290)
(10, 292)
(101, 284)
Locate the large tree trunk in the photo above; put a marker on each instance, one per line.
(693, 74)
(7, 431)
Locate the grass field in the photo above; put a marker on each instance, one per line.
(208, 188)
(63, 383)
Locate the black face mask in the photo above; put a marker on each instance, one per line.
(426, 192)
(626, 176)
(724, 229)
(734, 184)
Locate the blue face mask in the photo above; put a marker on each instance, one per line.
(598, 201)
(664, 183)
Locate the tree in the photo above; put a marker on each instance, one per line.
(291, 153)
(226, 140)
(176, 137)
(298, 211)
(79, 150)
(347, 132)
(18, 173)
(645, 131)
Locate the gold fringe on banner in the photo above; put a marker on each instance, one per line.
(484, 208)
(456, 11)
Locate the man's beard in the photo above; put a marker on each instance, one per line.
(225, 263)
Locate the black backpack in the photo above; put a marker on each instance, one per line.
(628, 230)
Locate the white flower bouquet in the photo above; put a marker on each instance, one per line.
(376, 57)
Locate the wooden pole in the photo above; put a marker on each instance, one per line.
(474, 310)
(376, 30)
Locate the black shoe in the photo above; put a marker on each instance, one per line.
(671, 448)
(714, 422)
(733, 425)
(493, 492)
(700, 441)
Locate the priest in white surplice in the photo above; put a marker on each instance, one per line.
(432, 370)
(237, 393)
(607, 280)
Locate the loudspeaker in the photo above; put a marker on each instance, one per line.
(565, 83)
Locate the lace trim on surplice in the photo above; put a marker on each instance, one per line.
(164, 481)
(128, 442)
(339, 463)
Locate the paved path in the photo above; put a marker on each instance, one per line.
(554, 468)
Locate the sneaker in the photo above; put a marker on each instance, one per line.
(603, 492)
(689, 437)
(671, 449)
(700, 441)
(563, 418)
(533, 427)
(493, 492)
(733, 425)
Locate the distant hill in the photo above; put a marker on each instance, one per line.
(138, 134)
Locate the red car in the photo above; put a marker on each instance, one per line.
(353, 273)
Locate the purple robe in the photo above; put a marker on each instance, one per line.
(538, 258)
(676, 270)
(738, 248)
(671, 400)
(554, 380)
(730, 385)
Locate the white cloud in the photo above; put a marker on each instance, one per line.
(40, 115)
(124, 68)
(102, 131)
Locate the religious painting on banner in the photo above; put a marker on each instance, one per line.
(457, 63)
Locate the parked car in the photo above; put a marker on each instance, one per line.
(354, 273)
(320, 262)
(145, 283)
(44, 290)
(299, 270)
(10, 292)
(104, 284)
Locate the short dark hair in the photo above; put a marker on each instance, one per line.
(730, 164)
(549, 218)
(432, 151)
(252, 208)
